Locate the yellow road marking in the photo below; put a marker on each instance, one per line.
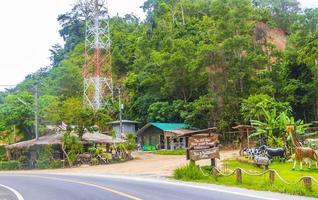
(91, 185)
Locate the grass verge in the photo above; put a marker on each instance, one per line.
(171, 152)
(193, 173)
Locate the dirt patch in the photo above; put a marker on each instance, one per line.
(145, 163)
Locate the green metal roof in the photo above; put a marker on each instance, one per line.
(169, 126)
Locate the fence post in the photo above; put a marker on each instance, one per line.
(213, 162)
(307, 182)
(238, 175)
(215, 173)
(192, 162)
(271, 176)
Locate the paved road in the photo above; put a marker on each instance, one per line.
(108, 187)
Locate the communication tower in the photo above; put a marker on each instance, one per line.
(97, 70)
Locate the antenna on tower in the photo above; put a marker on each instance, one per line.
(97, 70)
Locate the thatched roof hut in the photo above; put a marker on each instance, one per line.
(56, 138)
(50, 139)
(98, 138)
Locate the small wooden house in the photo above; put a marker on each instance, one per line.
(128, 127)
(163, 136)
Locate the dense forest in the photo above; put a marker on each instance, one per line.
(202, 62)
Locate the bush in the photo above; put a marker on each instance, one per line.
(171, 152)
(45, 152)
(56, 164)
(9, 165)
(3, 155)
(48, 164)
(43, 164)
(188, 172)
(94, 161)
(72, 146)
(24, 162)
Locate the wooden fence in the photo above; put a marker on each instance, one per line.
(272, 174)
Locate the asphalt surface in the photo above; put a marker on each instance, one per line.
(92, 187)
(6, 194)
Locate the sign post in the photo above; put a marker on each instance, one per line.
(203, 146)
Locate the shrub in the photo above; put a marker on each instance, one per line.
(43, 164)
(92, 150)
(9, 165)
(106, 156)
(3, 155)
(94, 161)
(45, 152)
(49, 164)
(188, 172)
(24, 162)
(171, 152)
(56, 164)
(72, 146)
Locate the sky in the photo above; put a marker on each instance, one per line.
(29, 28)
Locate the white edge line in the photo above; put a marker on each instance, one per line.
(168, 182)
(16, 193)
(185, 185)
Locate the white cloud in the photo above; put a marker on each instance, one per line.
(309, 3)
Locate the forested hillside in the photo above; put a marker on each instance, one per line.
(203, 62)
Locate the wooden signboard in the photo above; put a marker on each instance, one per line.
(203, 142)
(203, 147)
(210, 153)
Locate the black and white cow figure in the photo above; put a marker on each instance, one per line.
(271, 152)
(252, 153)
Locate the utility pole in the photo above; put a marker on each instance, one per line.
(120, 111)
(36, 107)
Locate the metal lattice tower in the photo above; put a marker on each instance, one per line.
(97, 71)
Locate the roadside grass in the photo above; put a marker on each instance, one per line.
(170, 152)
(193, 173)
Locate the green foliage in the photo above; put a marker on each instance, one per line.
(43, 164)
(13, 113)
(201, 112)
(9, 165)
(3, 155)
(55, 164)
(273, 125)
(198, 62)
(71, 146)
(44, 152)
(166, 112)
(256, 106)
(48, 164)
(260, 182)
(282, 12)
(94, 161)
(130, 144)
(171, 152)
(24, 162)
(188, 172)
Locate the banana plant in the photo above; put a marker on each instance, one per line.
(274, 125)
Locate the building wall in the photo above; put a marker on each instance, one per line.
(151, 136)
(127, 128)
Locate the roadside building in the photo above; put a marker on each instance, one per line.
(127, 127)
(163, 136)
